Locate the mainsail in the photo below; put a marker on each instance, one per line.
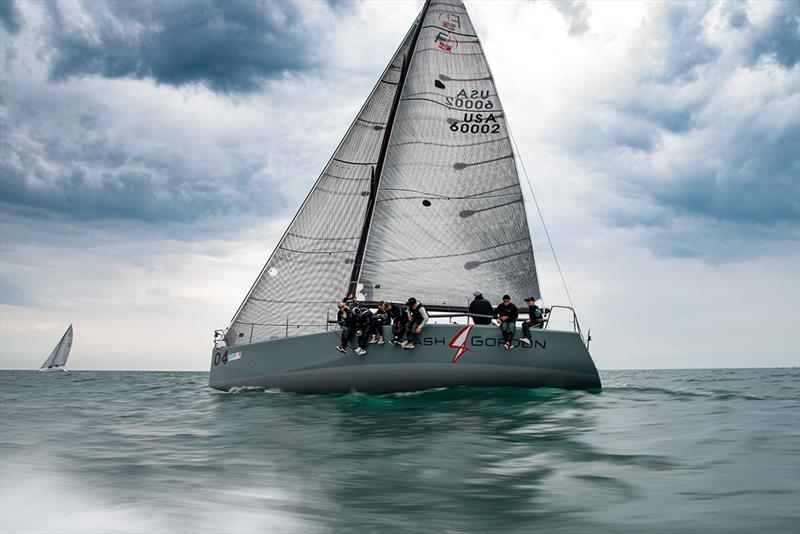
(449, 217)
(421, 198)
(58, 358)
(310, 269)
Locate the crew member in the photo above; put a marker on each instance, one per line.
(347, 321)
(480, 309)
(417, 319)
(381, 318)
(507, 314)
(535, 320)
(399, 317)
(364, 318)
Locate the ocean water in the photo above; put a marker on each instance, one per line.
(655, 451)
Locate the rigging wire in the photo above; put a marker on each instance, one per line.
(539, 211)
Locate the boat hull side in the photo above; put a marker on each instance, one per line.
(311, 364)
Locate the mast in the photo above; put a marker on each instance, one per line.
(378, 169)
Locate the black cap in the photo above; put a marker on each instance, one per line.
(411, 301)
(506, 297)
(530, 299)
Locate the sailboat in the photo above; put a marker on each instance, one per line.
(420, 199)
(58, 358)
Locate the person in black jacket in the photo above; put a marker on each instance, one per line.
(535, 320)
(417, 319)
(480, 306)
(347, 321)
(399, 317)
(507, 314)
(364, 318)
(380, 319)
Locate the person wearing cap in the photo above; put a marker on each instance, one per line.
(535, 320)
(417, 319)
(399, 317)
(480, 309)
(507, 313)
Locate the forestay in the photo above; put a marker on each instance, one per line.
(310, 269)
(449, 215)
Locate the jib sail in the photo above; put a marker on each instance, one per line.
(310, 269)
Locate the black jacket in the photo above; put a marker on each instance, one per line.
(535, 314)
(345, 317)
(418, 314)
(398, 314)
(510, 310)
(481, 306)
(365, 318)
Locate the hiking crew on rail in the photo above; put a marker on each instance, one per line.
(535, 319)
(507, 313)
(407, 322)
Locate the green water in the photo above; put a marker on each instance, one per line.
(655, 451)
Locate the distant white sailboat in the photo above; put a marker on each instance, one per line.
(58, 358)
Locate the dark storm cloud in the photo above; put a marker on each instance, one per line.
(77, 150)
(119, 194)
(75, 165)
(10, 18)
(229, 46)
(755, 179)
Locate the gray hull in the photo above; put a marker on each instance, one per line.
(311, 363)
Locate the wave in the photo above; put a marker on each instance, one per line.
(683, 393)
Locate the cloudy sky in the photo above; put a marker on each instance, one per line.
(153, 153)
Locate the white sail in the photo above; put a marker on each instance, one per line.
(449, 216)
(310, 269)
(434, 210)
(58, 358)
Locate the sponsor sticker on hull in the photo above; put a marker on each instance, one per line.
(462, 342)
(459, 342)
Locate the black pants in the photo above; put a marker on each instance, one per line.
(411, 331)
(376, 328)
(526, 328)
(364, 333)
(347, 334)
(399, 331)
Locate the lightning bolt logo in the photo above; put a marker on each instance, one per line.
(459, 342)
